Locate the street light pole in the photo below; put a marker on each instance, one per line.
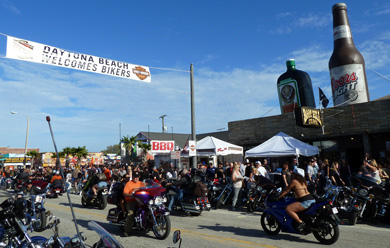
(162, 118)
(25, 146)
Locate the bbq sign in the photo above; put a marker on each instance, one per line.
(39, 53)
(162, 146)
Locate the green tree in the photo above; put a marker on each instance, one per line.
(144, 148)
(68, 151)
(128, 143)
(80, 152)
(116, 149)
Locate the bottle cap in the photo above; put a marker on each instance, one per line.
(339, 6)
(290, 63)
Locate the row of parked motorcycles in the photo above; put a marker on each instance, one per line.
(364, 199)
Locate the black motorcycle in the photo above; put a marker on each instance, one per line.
(342, 198)
(259, 192)
(225, 195)
(14, 222)
(100, 201)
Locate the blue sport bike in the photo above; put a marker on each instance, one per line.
(320, 219)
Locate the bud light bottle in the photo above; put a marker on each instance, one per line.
(346, 65)
(294, 89)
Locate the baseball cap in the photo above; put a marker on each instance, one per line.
(136, 174)
(258, 162)
(299, 171)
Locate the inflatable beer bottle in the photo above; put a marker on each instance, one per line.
(295, 89)
(346, 65)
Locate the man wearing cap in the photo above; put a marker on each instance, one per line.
(131, 203)
(262, 171)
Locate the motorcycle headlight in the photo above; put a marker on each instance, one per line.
(38, 199)
(363, 192)
(165, 199)
(215, 188)
(158, 200)
(150, 202)
(259, 188)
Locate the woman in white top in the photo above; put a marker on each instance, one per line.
(237, 184)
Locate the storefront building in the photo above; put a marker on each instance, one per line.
(349, 131)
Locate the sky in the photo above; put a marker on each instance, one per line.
(238, 50)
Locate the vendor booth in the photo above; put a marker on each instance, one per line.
(282, 145)
(212, 149)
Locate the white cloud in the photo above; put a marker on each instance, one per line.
(10, 7)
(384, 11)
(314, 20)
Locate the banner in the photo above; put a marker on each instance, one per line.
(192, 148)
(162, 146)
(39, 53)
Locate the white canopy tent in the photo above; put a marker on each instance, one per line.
(210, 146)
(282, 145)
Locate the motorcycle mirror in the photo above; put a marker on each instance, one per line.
(176, 236)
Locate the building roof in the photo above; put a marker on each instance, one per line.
(382, 98)
(180, 139)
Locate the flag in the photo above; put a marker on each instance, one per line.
(323, 99)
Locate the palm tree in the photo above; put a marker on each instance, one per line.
(80, 152)
(129, 143)
(68, 151)
(145, 147)
(33, 154)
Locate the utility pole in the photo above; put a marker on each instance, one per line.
(162, 119)
(193, 132)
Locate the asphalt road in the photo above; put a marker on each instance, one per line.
(217, 228)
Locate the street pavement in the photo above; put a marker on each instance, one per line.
(216, 228)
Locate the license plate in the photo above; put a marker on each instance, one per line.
(334, 210)
(57, 191)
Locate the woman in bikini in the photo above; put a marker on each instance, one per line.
(304, 199)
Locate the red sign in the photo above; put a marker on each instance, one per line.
(162, 146)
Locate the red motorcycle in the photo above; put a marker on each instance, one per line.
(150, 214)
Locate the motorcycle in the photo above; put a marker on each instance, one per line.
(259, 192)
(190, 203)
(100, 201)
(370, 201)
(14, 222)
(320, 219)
(8, 183)
(342, 198)
(55, 189)
(150, 214)
(36, 212)
(224, 196)
(214, 188)
(77, 241)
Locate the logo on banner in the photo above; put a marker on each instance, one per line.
(141, 72)
(192, 148)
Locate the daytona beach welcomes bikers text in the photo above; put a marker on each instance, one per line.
(78, 61)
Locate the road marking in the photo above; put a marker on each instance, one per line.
(219, 239)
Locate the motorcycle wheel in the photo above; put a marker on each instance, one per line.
(102, 202)
(83, 202)
(41, 216)
(163, 227)
(353, 218)
(270, 224)
(219, 202)
(328, 232)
